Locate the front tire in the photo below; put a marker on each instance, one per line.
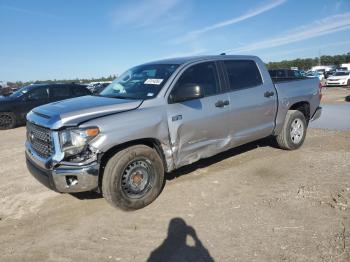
(293, 132)
(133, 178)
(7, 120)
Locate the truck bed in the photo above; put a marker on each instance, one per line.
(294, 91)
(287, 79)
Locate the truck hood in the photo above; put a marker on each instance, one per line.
(72, 112)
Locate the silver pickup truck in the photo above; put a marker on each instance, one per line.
(160, 116)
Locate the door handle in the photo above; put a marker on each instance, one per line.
(268, 94)
(222, 103)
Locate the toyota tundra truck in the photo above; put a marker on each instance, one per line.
(160, 116)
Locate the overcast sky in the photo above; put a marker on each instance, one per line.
(60, 39)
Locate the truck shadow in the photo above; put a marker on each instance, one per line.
(87, 195)
(176, 248)
(265, 142)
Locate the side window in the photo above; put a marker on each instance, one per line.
(242, 74)
(38, 94)
(60, 92)
(79, 91)
(204, 75)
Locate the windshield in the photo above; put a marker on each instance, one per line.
(141, 82)
(20, 92)
(341, 74)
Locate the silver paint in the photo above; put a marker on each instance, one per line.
(187, 131)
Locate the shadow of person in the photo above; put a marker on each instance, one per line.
(175, 247)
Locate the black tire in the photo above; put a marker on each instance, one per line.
(118, 184)
(285, 139)
(7, 120)
(348, 83)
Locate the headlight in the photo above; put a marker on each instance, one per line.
(74, 141)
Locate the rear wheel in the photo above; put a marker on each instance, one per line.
(293, 133)
(7, 120)
(133, 178)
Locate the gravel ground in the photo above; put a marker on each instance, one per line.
(335, 95)
(253, 203)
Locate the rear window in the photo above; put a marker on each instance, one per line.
(242, 74)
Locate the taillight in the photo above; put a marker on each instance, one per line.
(320, 91)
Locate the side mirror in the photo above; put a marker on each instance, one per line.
(186, 92)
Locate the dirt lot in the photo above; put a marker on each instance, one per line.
(253, 203)
(335, 95)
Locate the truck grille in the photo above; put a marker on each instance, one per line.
(40, 139)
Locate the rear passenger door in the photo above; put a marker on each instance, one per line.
(198, 128)
(253, 101)
(59, 92)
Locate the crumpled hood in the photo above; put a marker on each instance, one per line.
(72, 112)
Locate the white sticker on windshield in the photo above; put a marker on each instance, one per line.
(150, 94)
(153, 81)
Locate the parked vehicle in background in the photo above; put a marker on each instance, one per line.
(340, 68)
(14, 108)
(340, 78)
(314, 74)
(322, 72)
(286, 74)
(347, 66)
(323, 68)
(160, 116)
(330, 73)
(95, 86)
(99, 88)
(4, 89)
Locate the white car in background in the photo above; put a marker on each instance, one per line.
(314, 74)
(340, 78)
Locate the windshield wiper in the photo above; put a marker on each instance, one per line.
(120, 97)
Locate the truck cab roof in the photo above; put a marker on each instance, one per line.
(191, 59)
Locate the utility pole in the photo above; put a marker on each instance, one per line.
(319, 57)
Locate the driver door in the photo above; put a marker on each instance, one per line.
(198, 127)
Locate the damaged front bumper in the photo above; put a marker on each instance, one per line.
(63, 178)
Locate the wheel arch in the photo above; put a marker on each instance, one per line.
(150, 142)
(303, 107)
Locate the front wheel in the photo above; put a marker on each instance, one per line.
(133, 178)
(293, 132)
(348, 83)
(7, 120)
